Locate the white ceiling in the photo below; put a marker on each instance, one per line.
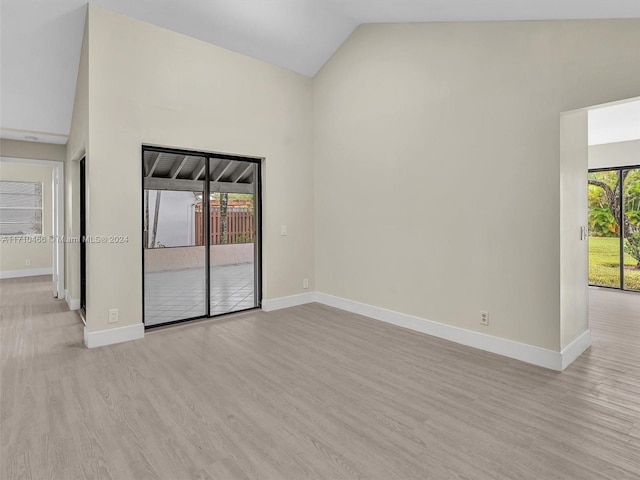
(40, 39)
(615, 123)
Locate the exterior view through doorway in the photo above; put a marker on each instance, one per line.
(614, 228)
(200, 234)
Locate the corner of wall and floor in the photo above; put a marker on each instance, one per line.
(542, 357)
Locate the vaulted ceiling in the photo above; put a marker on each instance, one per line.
(40, 39)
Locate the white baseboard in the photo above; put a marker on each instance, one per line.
(73, 303)
(576, 348)
(541, 357)
(113, 335)
(30, 272)
(520, 351)
(286, 302)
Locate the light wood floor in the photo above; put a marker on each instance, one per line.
(309, 392)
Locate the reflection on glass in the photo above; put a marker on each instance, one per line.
(604, 228)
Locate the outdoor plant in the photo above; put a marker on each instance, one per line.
(632, 246)
(605, 191)
(602, 222)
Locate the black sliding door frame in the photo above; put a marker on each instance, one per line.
(206, 211)
(83, 234)
(621, 235)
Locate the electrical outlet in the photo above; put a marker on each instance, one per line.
(27, 262)
(484, 318)
(283, 230)
(113, 315)
(305, 283)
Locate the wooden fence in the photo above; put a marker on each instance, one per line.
(240, 226)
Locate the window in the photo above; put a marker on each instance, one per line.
(20, 208)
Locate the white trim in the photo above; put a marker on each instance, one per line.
(113, 335)
(32, 161)
(43, 137)
(600, 105)
(524, 352)
(576, 348)
(508, 348)
(73, 303)
(285, 302)
(57, 180)
(31, 272)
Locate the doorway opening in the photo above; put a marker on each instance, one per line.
(614, 195)
(33, 220)
(200, 235)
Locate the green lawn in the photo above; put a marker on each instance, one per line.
(604, 264)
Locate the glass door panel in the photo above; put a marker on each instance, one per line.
(233, 235)
(174, 253)
(604, 229)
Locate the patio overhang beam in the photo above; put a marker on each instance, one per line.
(196, 186)
(240, 172)
(175, 170)
(197, 172)
(220, 170)
(152, 164)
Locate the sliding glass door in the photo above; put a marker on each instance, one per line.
(200, 235)
(614, 228)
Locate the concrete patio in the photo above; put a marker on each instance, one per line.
(180, 294)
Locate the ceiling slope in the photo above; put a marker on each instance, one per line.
(40, 39)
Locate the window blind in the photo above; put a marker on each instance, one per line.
(20, 208)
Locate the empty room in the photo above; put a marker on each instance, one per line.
(320, 239)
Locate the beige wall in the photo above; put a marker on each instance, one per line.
(440, 143)
(574, 251)
(14, 255)
(77, 146)
(619, 154)
(32, 150)
(148, 85)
